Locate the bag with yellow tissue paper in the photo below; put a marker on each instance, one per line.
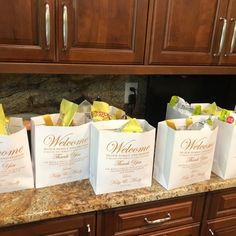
(60, 146)
(15, 162)
(121, 155)
(184, 151)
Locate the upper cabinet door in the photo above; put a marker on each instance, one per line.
(229, 54)
(186, 32)
(102, 31)
(27, 30)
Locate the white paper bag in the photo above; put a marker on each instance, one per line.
(60, 154)
(224, 164)
(183, 157)
(120, 161)
(15, 162)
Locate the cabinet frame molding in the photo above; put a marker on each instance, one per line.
(60, 68)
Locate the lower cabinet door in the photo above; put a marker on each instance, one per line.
(81, 225)
(190, 230)
(222, 227)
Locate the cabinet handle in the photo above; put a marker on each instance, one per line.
(234, 36)
(222, 38)
(158, 221)
(212, 233)
(47, 25)
(65, 27)
(88, 228)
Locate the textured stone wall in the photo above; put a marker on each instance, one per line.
(40, 94)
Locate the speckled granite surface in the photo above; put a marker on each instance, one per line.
(78, 197)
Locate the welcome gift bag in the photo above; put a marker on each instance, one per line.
(183, 157)
(15, 162)
(60, 154)
(224, 164)
(120, 161)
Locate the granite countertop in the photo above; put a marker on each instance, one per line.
(78, 197)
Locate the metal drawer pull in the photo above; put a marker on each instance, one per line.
(210, 230)
(234, 36)
(222, 38)
(88, 227)
(65, 27)
(158, 221)
(47, 25)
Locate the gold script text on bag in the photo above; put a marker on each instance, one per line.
(67, 112)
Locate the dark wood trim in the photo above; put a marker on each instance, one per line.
(206, 213)
(149, 31)
(55, 68)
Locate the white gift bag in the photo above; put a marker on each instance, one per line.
(120, 161)
(15, 162)
(224, 164)
(60, 154)
(183, 157)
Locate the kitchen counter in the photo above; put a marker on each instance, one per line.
(78, 197)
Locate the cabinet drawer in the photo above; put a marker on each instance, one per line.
(168, 214)
(78, 225)
(190, 230)
(223, 204)
(225, 226)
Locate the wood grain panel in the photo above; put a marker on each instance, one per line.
(189, 230)
(223, 204)
(103, 31)
(64, 226)
(22, 30)
(186, 32)
(190, 28)
(127, 221)
(222, 226)
(136, 219)
(229, 57)
(98, 27)
(74, 232)
(228, 201)
(60, 68)
(17, 22)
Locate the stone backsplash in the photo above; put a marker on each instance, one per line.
(40, 94)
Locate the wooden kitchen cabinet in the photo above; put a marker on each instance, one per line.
(220, 214)
(222, 227)
(88, 31)
(191, 230)
(80, 225)
(26, 32)
(137, 36)
(169, 217)
(102, 31)
(229, 53)
(197, 32)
